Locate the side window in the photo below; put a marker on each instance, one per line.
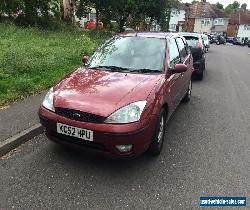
(186, 46)
(182, 48)
(174, 55)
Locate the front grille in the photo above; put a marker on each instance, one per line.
(79, 116)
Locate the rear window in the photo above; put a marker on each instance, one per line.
(192, 41)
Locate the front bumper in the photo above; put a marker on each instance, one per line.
(106, 136)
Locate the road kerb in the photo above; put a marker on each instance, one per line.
(20, 138)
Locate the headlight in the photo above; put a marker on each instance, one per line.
(48, 101)
(128, 114)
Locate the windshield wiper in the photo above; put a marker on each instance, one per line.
(111, 68)
(146, 70)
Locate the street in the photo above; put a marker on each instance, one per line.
(206, 153)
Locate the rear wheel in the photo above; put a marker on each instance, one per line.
(159, 133)
(200, 75)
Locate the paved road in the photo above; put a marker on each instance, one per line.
(207, 153)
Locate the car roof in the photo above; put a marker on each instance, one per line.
(159, 35)
(189, 34)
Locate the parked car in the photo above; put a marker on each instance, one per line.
(230, 40)
(220, 40)
(205, 41)
(245, 41)
(92, 24)
(213, 39)
(248, 43)
(238, 41)
(195, 43)
(118, 103)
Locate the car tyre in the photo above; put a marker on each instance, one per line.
(200, 75)
(188, 95)
(159, 134)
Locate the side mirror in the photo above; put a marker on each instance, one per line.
(85, 59)
(179, 68)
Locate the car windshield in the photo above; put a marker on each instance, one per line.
(130, 54)
(192, 40)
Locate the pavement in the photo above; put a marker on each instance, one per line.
(206, 153)
(19, 122)
(19, 116)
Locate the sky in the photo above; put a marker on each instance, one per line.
(224, 2)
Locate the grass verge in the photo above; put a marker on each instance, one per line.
(32, 60)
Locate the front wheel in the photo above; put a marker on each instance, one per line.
(159, 133)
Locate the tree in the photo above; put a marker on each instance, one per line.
(131, 12)
(236, 5)
(10, 6)
(244, 6)
(219, 5)
(232, 7)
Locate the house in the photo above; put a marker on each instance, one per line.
(178, 18)
(239, 24)
(204, 17)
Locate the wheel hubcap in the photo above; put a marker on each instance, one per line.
(161, 130)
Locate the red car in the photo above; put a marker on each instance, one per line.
(118, 103)
(92, 24)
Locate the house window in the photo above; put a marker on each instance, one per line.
(172, 27)
(218, 21)
(175, 12)
(205, 21)
(246, 27)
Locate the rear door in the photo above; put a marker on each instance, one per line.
(186, 59)
(175, 80)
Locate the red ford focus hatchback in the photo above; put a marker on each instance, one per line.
(118, 103)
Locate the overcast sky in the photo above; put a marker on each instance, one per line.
(224, 2)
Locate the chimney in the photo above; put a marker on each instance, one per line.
(203, 1)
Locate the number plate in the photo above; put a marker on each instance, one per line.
(75, 132)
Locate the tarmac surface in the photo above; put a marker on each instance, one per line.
(206, 153)
(19, 116)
